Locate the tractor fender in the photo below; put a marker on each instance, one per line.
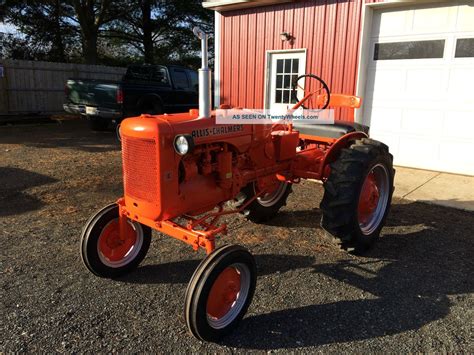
(335, 149)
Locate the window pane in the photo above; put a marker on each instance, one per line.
(279, 66)
(180, 79)
(464, 48)
(296, 63)
(293, 98)
(279, 83)
(287, 65)
(293, 80)
(286, 96)
(159, 75)
(409, 50)
(278, 96)
(139, 73)
(194, 80)
(287, 82)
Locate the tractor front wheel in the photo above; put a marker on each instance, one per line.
(107, 253)
(358, 193)
(220, 292)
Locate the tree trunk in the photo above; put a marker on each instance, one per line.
(58, 44)
(147, 31)
(89, 47)
(89, 29)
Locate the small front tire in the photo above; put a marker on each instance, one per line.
(107, 254)
(220, 292)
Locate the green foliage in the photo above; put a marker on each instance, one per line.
(105, 31)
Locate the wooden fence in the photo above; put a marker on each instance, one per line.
(28, 87)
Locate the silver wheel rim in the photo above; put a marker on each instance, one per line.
(271, 199)
(236, 308)
(131, 254)
(382, 182)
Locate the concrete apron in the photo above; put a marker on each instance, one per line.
(438, 188)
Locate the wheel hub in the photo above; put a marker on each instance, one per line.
(224, 293)
(112, 245)
(373, 199)
(369, 198)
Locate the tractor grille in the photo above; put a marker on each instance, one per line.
(140, 171)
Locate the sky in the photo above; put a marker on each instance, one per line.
(7, 28)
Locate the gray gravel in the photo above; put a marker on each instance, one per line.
(413, 292)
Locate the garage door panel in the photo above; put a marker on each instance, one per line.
(457, 156)
(389, 119)
(461, 81)
(387, 83)
(391, 23)
(419, 97)
(433, 19)
(424, 121)
(459, 124)
(464, 21)
(416, 150)
(426, 83)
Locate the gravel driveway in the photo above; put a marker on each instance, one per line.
(411, 293)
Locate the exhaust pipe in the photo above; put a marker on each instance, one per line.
(204, 76)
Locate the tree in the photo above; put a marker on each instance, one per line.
(113, 32)
(43, 27)
(91, 16)
(162, 30)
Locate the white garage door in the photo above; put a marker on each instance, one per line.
(420, 85)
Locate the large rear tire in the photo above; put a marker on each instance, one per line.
(358, 194)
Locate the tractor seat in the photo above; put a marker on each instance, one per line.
(336, 130)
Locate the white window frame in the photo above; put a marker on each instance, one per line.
(268, 63)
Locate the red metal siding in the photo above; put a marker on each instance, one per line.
(329, 30)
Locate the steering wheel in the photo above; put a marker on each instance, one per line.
(317, 94)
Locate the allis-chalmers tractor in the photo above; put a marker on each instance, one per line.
(180, 172)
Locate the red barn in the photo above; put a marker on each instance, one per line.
(412, 62)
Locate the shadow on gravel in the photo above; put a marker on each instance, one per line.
(73, 135)
(297, 219)
(12, 197)
(425, 258)
(181, 271)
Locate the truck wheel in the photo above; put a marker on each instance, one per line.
(358, 193)
(267, 206)
(102, 250)
(220, 292)
(98, 124)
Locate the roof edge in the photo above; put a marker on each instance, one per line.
(227, 5)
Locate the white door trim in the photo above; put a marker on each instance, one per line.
(268, 57)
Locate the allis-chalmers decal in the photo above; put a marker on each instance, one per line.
(218, 130)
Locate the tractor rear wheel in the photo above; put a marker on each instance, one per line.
(220, 292)
(105, 252)
(358, 193)
(265, 207)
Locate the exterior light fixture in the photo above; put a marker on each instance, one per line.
(285, 36)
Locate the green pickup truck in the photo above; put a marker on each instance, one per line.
(151, 89)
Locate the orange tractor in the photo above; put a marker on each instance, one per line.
(180, 172)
